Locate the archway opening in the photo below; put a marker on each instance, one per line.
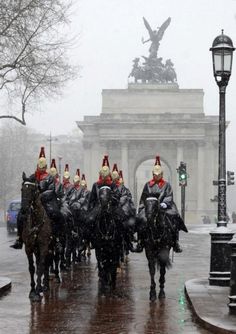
(144, 174)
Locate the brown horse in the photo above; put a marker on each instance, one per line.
(37, 235)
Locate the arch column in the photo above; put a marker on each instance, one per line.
(87, 162)
(125, 162)
(179, 158)
(200, 176)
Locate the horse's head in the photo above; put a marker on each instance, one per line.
(105, 197)
(152, 207)
(29, 192)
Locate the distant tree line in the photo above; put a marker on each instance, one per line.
(19, 151)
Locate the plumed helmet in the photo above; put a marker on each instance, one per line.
(77, 176)
(53, 168)
(121, 177)
(76, 179)
(42, 163)
(83, 182)
(115, 173)
(105, 170)
(66, 174)
(157, 170)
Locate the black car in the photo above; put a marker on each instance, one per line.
(11, 216)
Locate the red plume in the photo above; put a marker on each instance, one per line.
(78, 172)
(158, 162)
(66, 167)
(53, 164)
(115, 168)
(42, 153)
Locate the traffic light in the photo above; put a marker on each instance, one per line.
(230, 178)
(182, 174)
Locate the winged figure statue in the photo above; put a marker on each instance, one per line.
(155, 36)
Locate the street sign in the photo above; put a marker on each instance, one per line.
(230, 178)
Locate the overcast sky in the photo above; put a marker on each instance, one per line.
(110, 38)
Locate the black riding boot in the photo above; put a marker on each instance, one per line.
(18, 244)
(139, 246)
(176, 246)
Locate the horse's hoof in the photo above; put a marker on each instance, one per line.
(162, 295)
(37, 298)
(39, 290)
(32, 294)
(153, 296)
(57, 279)
(45, 288)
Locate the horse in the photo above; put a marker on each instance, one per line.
(105, 236)
(157, 234)
(37, 234)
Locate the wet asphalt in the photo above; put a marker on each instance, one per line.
(75, 306)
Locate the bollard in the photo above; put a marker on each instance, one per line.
(232, 284)
(220, 256)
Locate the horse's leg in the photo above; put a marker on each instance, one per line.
(32, 272)
(56, 264)
(68, 249)
(62, 255)
(152, 270)
(162, 280)
(46, 274)
(42, 254)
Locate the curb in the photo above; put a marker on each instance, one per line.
(5, 284)
(209, 304)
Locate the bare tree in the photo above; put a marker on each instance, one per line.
(34, 44)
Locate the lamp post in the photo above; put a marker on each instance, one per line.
(222, 56)
(59, 167)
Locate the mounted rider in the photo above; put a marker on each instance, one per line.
(45, 182)
(158, 187)
(104, 180)
(67, 186)
(58, 185)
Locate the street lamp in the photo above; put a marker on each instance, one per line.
(59, 166)
(222, 56)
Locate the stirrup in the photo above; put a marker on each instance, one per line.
(17, 245)
(177, 248)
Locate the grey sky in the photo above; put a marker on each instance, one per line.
(110, 38)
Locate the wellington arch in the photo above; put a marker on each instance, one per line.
(146, 120)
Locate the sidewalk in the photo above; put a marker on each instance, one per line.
(5, 284)
(209, 304)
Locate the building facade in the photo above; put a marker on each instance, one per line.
(146, 120)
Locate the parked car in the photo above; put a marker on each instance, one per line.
(11, 215)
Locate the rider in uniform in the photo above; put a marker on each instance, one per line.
(158, 186)
(104, 180)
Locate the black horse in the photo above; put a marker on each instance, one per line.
(37, 233)
(157, 234)
(106, 237)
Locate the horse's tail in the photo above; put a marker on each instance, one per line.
(164, 258)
